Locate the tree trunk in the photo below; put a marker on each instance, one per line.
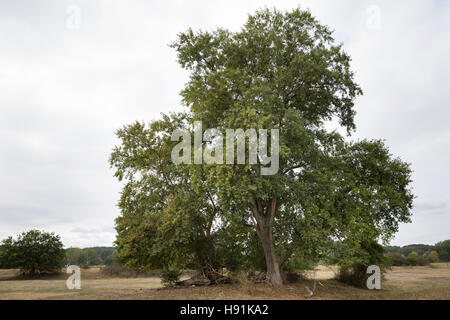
(264, 230)
(274, 271)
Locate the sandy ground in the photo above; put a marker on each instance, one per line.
(400, 283)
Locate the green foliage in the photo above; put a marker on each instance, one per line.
(169, 277)
(239, 249)
(433, 256)
(170, 216)
(299, 262)
(90, 256)
(73, 256)
(412, 258)
(8, 254)
(396, 259)
(443, 250)
(420, 249)
(423, 260)
(103, 255)
(355, 258)
(34, 252)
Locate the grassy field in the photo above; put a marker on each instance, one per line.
(432, 282)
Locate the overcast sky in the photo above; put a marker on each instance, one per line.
(72, 72)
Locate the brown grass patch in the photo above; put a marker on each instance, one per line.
(401, 283)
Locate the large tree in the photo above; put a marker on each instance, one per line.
(34, 252)
(282, 71)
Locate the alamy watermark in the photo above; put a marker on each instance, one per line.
(373, 21)
(73, 18)
(213, 151)
(74, 281)
(374, 281)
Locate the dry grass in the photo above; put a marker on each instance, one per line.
(93, 286)
(401, 283)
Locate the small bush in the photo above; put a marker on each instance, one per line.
(412, 258)
(355, 276)
(170, 277)
(423, 261)
(433, 256)
(396, 259)
(298, 262)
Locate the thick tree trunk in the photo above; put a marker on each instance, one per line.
(274, 270)
(264, 219)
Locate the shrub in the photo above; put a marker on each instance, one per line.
(170, 277)
(353, 275)
(356, 258)
(433, 256)
(423, 261)
(412, 258)
(299, 262)
(396, 259)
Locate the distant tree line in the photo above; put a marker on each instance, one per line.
(90, 256)
(419, 254)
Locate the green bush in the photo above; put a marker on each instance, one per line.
(170, 277)
(423, 261)
(353, 275)
(412, 258)
(433, 256)
(396, 259)
(299, 263)
(356, 258)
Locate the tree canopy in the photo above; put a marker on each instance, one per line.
(34, 252)
(89, 256)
